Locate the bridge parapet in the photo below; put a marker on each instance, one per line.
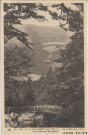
(34, 109)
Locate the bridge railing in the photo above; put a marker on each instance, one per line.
(33, 108)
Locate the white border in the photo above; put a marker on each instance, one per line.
(0, 62)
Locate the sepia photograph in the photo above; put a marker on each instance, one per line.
(44, 65)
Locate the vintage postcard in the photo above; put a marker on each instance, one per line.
(44, 67)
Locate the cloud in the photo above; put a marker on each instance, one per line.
(50, 56)
(51, 49)
(34, 77)
(46, 60)
(56, 65)
(19, 78)
(54, 43)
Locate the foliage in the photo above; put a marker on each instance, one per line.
(14, 13)
(19, 93)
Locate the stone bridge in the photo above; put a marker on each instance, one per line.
(43, 108)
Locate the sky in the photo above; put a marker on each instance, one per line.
(48, 38)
